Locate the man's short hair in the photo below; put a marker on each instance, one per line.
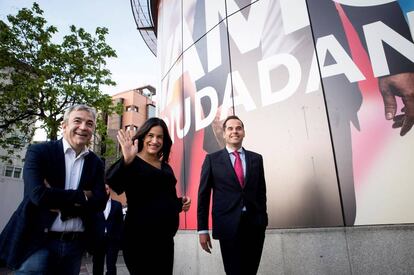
(231, 117)
(79, 107)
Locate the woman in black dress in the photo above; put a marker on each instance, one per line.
(149, 183)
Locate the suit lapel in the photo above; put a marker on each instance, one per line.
(60, 161)
(85, 171)
(112, 211)
(248, 158)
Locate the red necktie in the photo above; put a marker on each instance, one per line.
(238, 168)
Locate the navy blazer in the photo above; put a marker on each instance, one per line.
(229, 197)
(113, 224)
(27, 228)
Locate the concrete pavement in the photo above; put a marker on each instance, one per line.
(86, 268)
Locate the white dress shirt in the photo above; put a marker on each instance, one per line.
(73, 172)
(107, 210)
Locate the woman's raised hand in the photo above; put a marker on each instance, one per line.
(129, 148)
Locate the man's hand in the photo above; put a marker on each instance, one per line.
(88, 194)
(186, 203)
(46, 184)
(205, 242)
(401, 85)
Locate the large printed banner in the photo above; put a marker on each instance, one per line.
(311, 90)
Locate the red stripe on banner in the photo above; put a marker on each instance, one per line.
(368, 142)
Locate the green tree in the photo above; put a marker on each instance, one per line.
(40, 78)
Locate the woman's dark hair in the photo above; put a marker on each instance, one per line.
(146, 127)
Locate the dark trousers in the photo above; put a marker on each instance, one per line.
(107, 249)
(241, 255)
(149, 255)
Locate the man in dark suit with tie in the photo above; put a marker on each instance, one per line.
(108, 229)
(236, 177)
(63, 188)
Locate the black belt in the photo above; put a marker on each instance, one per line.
(65, 236)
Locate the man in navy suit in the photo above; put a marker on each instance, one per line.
(108, 229)
(63, 188)
(236, 177)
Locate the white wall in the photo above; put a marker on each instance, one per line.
(339, 250)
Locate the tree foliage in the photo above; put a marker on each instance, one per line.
(40, 78)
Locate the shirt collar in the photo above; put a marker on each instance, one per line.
(67, 147)
(230, 150)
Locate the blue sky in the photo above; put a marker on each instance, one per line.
(135, 66)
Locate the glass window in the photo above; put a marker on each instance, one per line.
(13, 172)
(132, 108)
(17, 172)
(131, 128)
(151, 110)
(8, 172)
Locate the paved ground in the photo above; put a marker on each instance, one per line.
(86, 268)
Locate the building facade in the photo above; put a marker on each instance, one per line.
(311, 81)
(138, 106)
(11, 185)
